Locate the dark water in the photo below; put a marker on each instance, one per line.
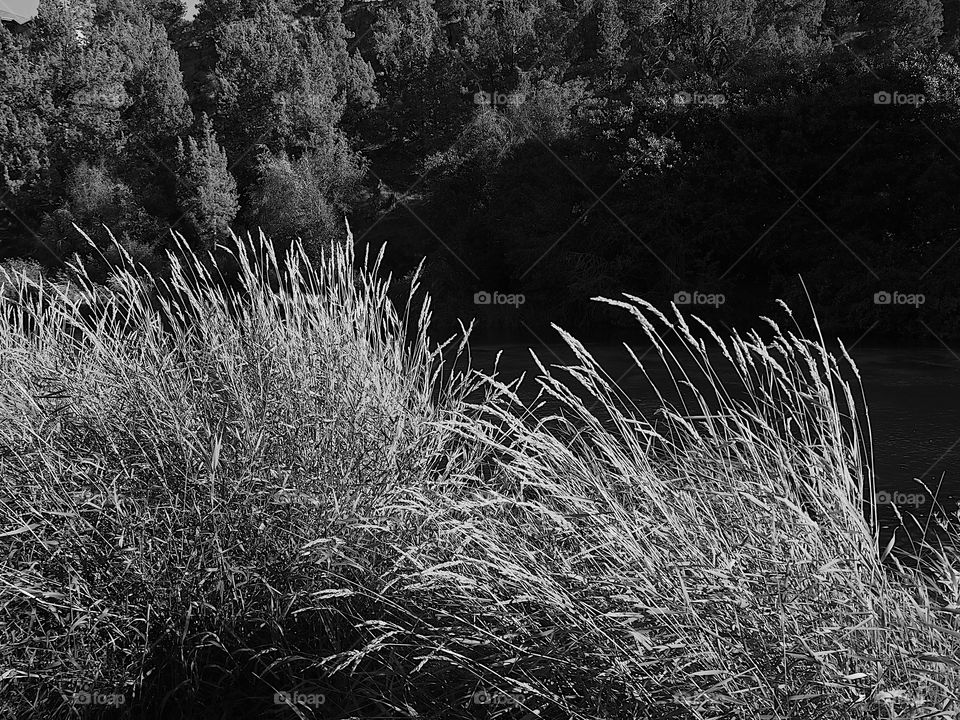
(913, 397)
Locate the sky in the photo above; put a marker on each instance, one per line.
(28, 8)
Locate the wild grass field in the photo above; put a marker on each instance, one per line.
(277, 500)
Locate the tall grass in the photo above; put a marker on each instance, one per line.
(214, 495)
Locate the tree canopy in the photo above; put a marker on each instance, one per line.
(558, 148)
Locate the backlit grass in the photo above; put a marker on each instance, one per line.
(278, 501)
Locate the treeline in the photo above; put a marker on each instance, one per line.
(541, 150)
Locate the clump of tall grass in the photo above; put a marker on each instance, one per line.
(212, 494)
(718, 560)
(183, 469)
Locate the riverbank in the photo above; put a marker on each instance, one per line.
(283, 499)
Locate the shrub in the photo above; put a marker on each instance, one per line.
(305, 199)
(548, 110)
(96, 201)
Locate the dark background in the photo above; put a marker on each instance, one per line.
(708, 147)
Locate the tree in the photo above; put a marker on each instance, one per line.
(285, 82)
(898, 27)
(168, 13)
(206, 191)
(419, 82)
(63, 23)
(213, 14)
(158, 109)
(613, 33)
(99, 87)
(118, 89)
(25, 106)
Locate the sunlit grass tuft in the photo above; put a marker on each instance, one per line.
(215, 495)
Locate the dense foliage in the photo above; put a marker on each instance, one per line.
(554, 149)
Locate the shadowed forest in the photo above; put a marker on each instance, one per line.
(546, 150)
